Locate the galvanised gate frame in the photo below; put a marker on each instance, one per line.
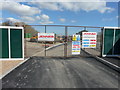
(107, 33)
(102, 29)
(66, 34)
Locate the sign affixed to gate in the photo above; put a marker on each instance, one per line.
(76, 47)
(89, 39)
(76, 44)
(76, 37)
(46, 36)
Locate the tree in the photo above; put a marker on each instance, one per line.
(30, 29)
(7, 23)
(80, 33)
(27, 28)
(99, 35)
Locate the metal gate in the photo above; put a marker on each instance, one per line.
(62, 44)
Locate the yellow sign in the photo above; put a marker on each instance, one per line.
(74, 38)
(92, 45)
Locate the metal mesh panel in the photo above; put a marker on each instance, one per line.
(62, 45)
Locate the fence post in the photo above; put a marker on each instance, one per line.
(101, 42)
(45, 41)
(65, 43)
(25, 48)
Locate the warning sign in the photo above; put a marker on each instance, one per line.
(89, 39)
(76, 47)
(46, 36)
(76, 38)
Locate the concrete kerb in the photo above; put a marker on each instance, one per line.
(54, 46)
(111, 65)
(14, 68)
(28, 59)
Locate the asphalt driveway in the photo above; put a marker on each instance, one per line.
(40, 72)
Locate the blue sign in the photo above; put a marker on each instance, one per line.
(85, 40)
(76, 43)
(76, 47)
(85, 45)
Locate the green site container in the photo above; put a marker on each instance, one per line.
(28, 35)
(11, 43)
(4, 46)
(111, 41)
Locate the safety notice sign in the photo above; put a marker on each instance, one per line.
(76, 47)
(89, 39)
(76, 37)
(46, 36)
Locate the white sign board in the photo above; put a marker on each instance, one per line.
(76, 47)
(89, 39)
(46, 36)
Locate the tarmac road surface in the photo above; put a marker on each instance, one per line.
(59, 73)
(77, 72)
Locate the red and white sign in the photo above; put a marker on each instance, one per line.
(46, 36)
(89, 39)
(89, 33)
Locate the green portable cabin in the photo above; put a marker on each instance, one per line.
(111, 41)
(28, 35)
(11, 43)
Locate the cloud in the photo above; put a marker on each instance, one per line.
(75, 6)
(107, 19)
(28, 19)
(42, 19)
(58, 0)
(62, 19)
(46, 22)
(46, 5)
(45, 19)
(117, 17)
(73, 21)
(37, 17)
(110, 19)
(25, 19)
(1, 19)
(13, 19)
(86, 6)
(19, 9)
